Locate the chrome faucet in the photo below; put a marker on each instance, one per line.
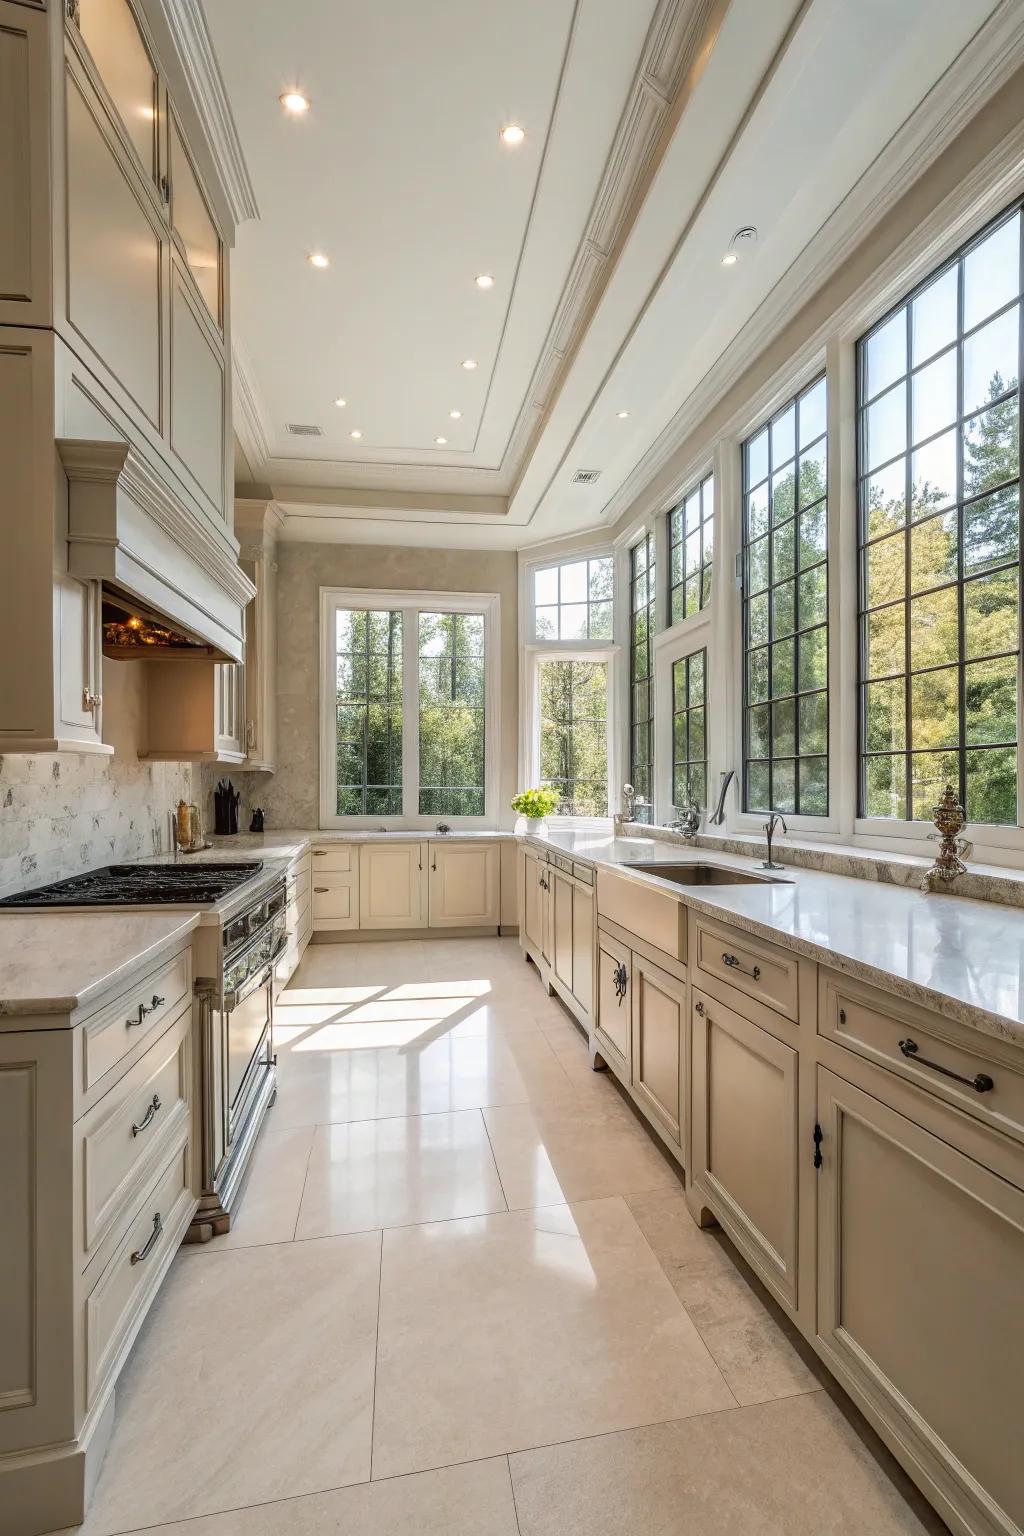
(630, 801)
(687, 822)
(769, 831)
(718, 814)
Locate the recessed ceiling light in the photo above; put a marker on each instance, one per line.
(340, 403)
(730, 259)
(485, 280)
(469, 364)
(318, 259)
(294, 101)
(440, 441)
(355, 432)
(513, 134)
(622, 415)
(455, 415)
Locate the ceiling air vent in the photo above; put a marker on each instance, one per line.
(303, 429)
(585, 476)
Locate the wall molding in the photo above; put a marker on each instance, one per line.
(193, 46)
(983, 67)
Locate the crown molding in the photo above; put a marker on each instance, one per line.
(197, 61)
(986, 64)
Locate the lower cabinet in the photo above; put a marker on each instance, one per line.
(744, 1087)
(392, 885)
(659, 1016)
(920, 1265)
(536, 888)
(464, 889)
(613, 1031)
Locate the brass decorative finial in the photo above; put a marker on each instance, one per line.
(950, 818)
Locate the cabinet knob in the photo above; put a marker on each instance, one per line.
(91, 700)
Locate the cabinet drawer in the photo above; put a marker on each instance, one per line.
(126, 1133)
(137, 1014)
(124, 1289)
(926, 1051)
(652, 914)
(748, 964)
(584, 873)
(340, 857)
(335, 899)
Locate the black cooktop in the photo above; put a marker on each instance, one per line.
(132, 885)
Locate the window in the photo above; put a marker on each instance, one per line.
(641, 670)
(785, 610)
(574, 734)
(691, 528)
(574, 601)
(368, 712)
(939, 496)
(408, 700)
(451, 714)
(690, 730)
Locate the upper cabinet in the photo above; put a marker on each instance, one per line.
(126, 72)
(192, 222)
(257, 524)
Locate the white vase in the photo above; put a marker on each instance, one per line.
(535, 825)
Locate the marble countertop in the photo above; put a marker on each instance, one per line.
(961, 957)
(59, 963)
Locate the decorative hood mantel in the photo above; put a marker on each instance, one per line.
(126, 530)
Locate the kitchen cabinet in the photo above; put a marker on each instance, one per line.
(392, 885)
(25, 186)
(744, 1137)
(298, 918)
(257, 525)
(613, 1032)
(658, 1027)
(536, 890)
(583, 933)
(920, 1258)
(464, 885)
(196, 711)
(561, 898)
(571, 936)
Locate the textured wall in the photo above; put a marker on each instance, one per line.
(291, 796)
(62, 813)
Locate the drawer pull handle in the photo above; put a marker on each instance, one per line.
(981, 1083)
(620, 977)
(142, 1254)
(319, 853)
(736, 965)
(156, 1002)
(148, 1116)
(321, 890)
(144, 1008)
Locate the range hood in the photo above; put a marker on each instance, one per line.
(160, 563)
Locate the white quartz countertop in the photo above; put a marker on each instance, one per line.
(289, 843)
(63, 962)
(961, 957)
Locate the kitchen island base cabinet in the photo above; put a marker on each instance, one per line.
(920, 1272)
(744, 1138)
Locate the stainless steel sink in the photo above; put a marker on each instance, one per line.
(706, 874)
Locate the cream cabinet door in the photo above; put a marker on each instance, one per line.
(464, 886)
(583, 948)
(562, 892)
(614, 1004)
(77, 616)
(920, 1266)
(121, 58)
(24, 168)
(229, 710)
(659, 1004)
(535, 905)
(393, 885)
(744, 1137)
(335, 900)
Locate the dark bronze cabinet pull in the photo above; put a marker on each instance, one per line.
(148, 1116)
(143, 1253)
(735, 965)
(981, 1083)
(144, 1008)
(156, 1002)
(620, 977)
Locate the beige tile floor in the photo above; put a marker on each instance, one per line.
(463, 1296)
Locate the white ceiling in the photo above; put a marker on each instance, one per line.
(604, 238)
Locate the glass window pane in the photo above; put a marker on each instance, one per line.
(813, 718)
(992, 786)
(934, 629)
(813, 474)
(758, 790)
(886, 354)
(933, 475)
(757, 458)
(757, 566)
(573, 621)
(784, 786)
(933, 317)
(600, 621)
(992, 273)
(759, 731)
(574, 582)
(887, 427)
(930, 772)
(885, 716)
(601, 579)
(783, 433)
(935, 708)
(992, 360)
(885, 570)
(990, 446)
(990, 613)
(783, 551)
(813, 405)
(885, 787)
(546, 624)
(991, 700)
(885, 498)
(933, 393)
(783, 495)
(784, 609)
(933, 552)
(991, 530)
(814, 786)
(886, 638)
(545, 586)
(757, 512)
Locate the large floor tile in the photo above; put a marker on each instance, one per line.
(794, 1468)
(750, 1339)
(252, 1380)
(388, 1173)
(470, 1500)
(582, 1151)
(507, 1331)
(269, 1204)
(347, 1078)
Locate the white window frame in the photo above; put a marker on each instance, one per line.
(412, 603)
(528, 572)
(534, 655)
